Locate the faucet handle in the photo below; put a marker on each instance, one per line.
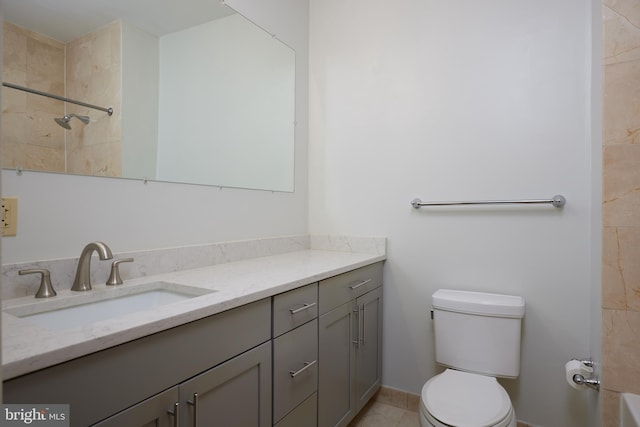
(46, 289)
(114, 277)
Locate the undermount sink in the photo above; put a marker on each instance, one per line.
(103, 304)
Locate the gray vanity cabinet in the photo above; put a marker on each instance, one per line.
(157, 411)
(295, 369)
(337, 367)
(295, 357)
(308, 357)
(349, 334)
(234, 394)
(369, 349)
(232, 346)
(304, 415)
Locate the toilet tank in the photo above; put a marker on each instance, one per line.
(478, 332)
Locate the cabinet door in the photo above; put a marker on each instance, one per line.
(158, 411)
(236, 393)
(369, 347)
(336, 367)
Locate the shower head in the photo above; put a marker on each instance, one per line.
(64, 121)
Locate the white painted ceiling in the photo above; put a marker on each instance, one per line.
(66, 20)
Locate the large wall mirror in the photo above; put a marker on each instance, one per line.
(199, 94)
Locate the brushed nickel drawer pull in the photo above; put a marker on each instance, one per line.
(304, 307)
(194, 403)
(356, 313)
(364, 331)
(175, 413)
(357, 285)
(306, 366)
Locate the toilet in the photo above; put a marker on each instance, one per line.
(477, 338)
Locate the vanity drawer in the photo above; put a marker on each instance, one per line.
(294, 308)
(295, 368)
(337, 290)
(305, 414)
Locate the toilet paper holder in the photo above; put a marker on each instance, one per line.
(592, 382)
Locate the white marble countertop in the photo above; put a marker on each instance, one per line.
(27, 347)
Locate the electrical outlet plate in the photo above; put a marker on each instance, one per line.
(9, 216)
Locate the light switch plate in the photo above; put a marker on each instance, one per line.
(9, 216)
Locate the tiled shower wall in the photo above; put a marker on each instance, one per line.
(93, 75)
(31, 138)
(621, 204)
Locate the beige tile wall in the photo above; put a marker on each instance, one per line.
(621, 205)
(92, 66)
(93, 75)
(31, 139)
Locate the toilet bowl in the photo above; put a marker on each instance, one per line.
(463, 399)
(477, 338)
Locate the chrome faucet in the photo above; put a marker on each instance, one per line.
(82, 282)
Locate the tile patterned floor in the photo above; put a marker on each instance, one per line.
(378, 414)
(393, 408)
(389, 408)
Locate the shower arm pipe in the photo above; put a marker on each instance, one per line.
(59, 98)
(557, 201)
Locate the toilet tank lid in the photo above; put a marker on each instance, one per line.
(479, 303)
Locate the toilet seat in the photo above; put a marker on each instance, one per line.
(463, 399)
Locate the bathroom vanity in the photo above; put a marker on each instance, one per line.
(282, 339)
(350, 333)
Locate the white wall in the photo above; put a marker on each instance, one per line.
(459, 100)
(59, 214)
